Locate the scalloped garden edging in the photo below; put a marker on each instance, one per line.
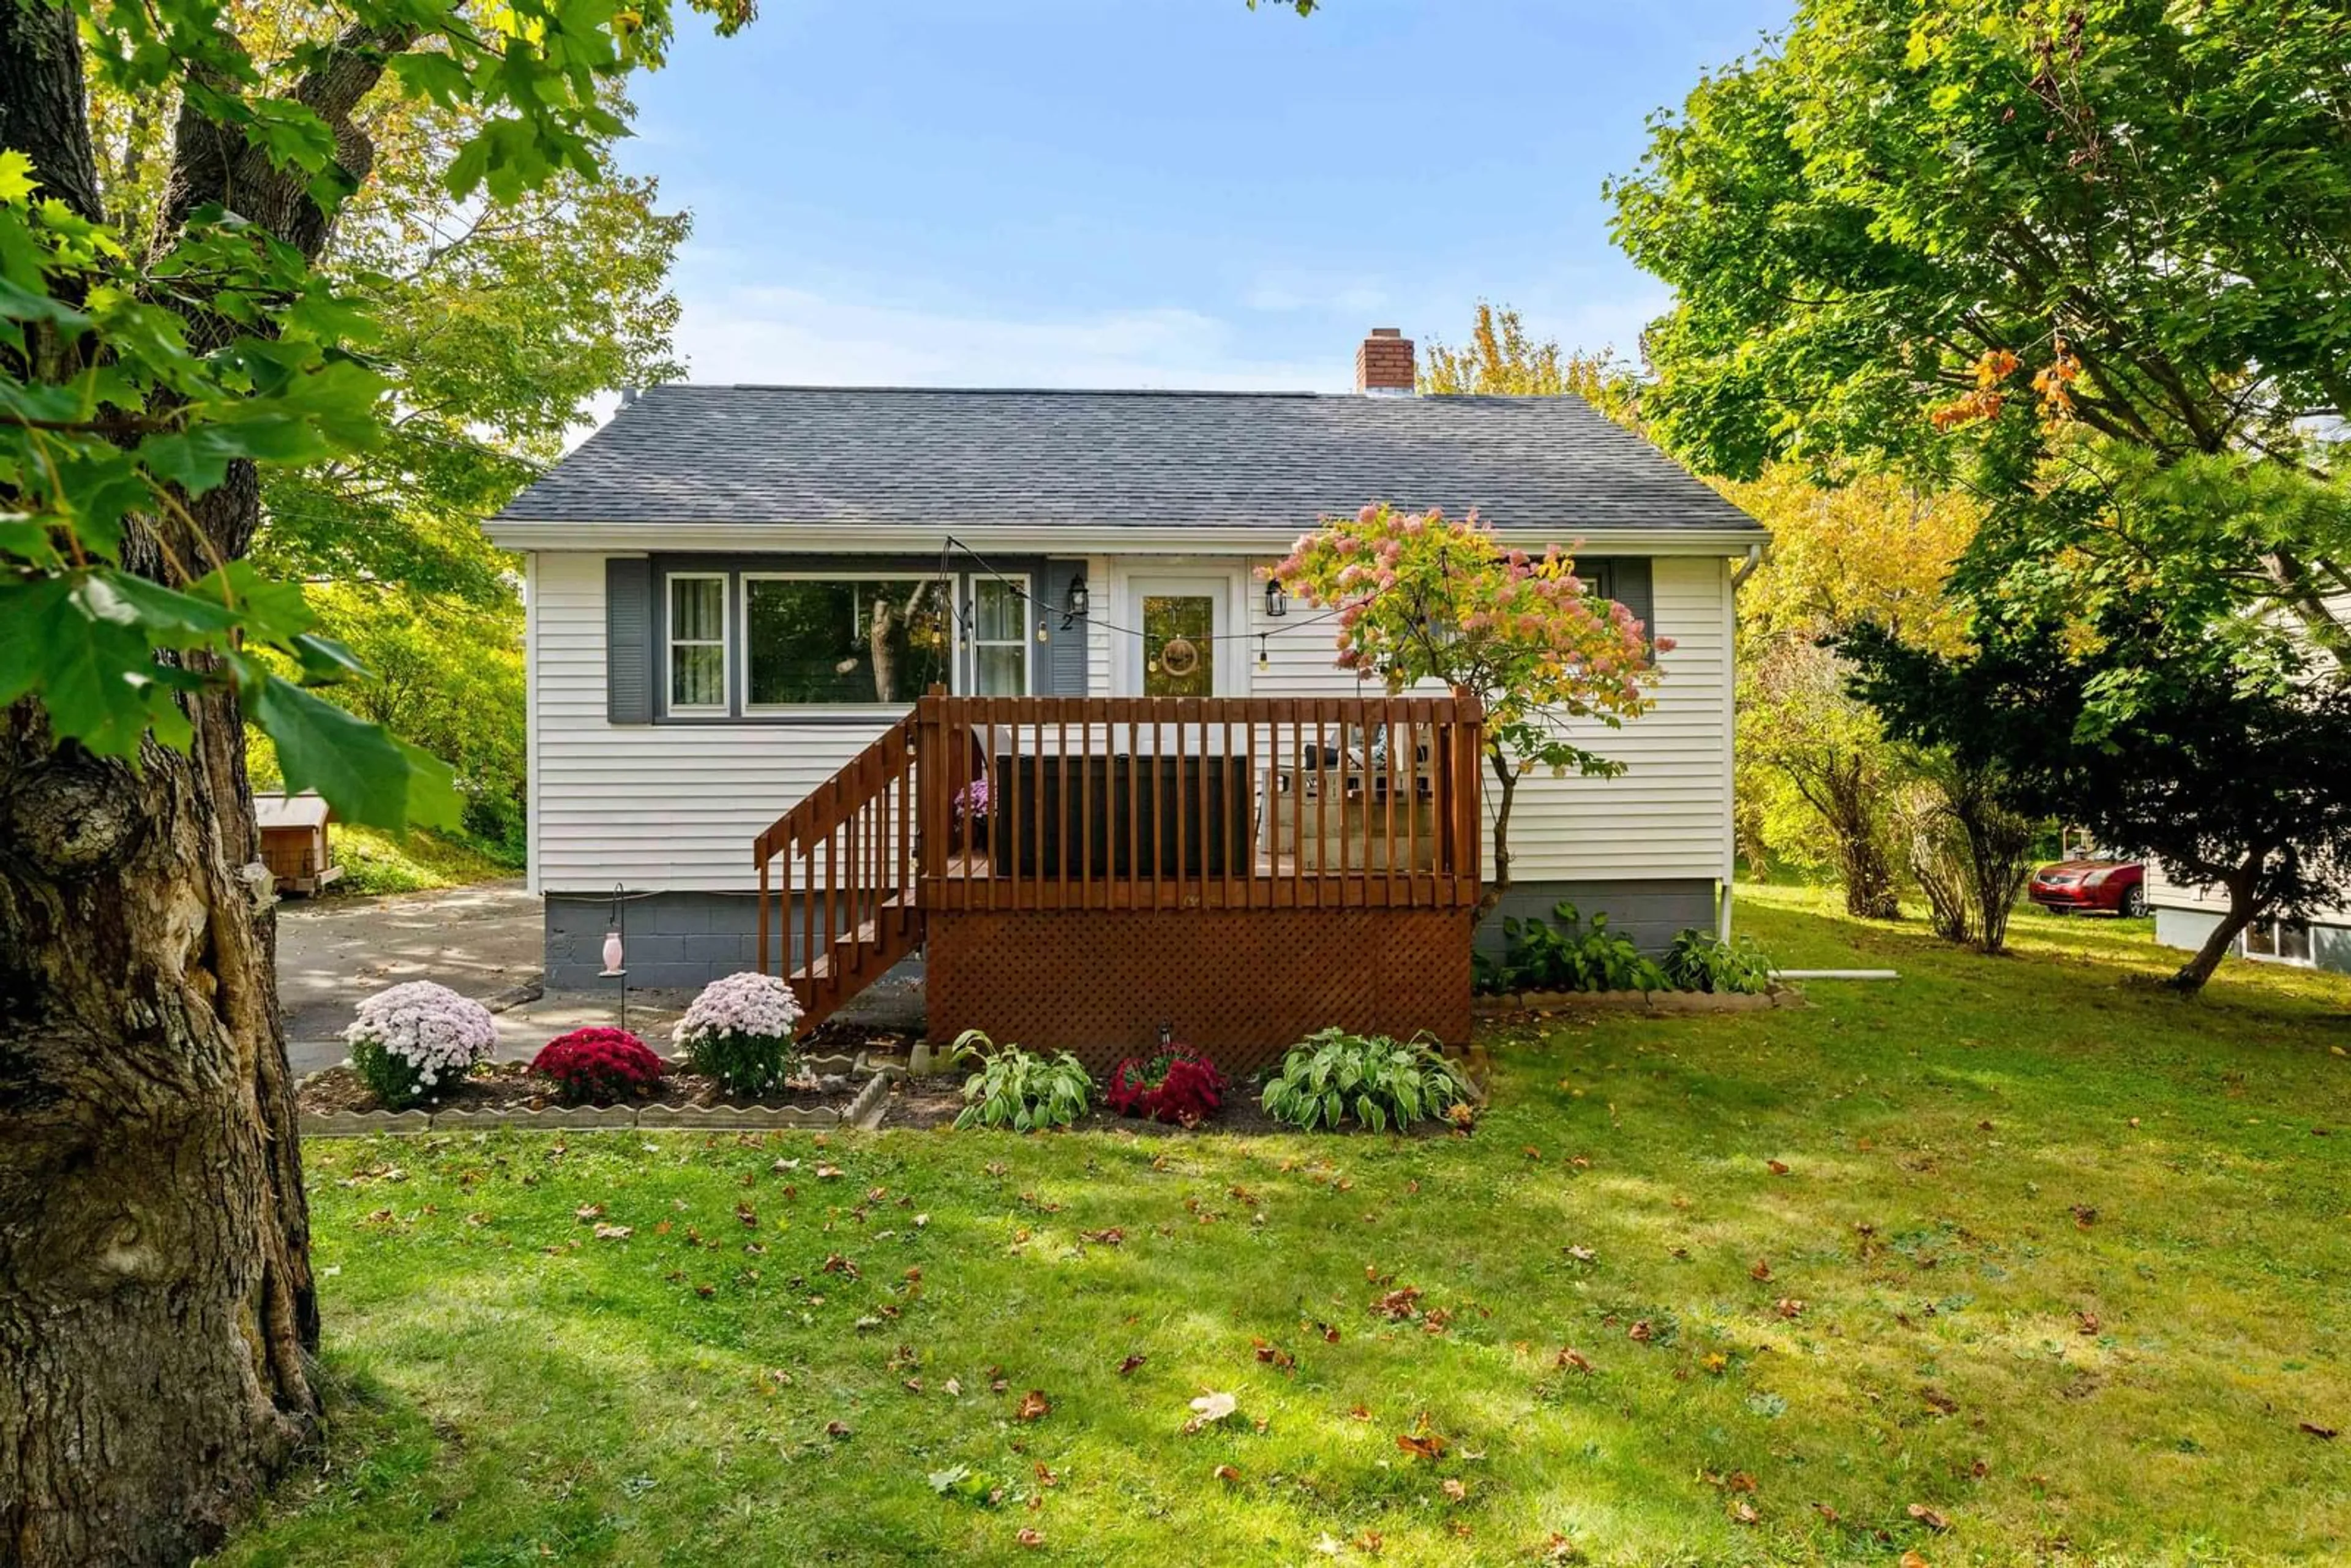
(863, 1110)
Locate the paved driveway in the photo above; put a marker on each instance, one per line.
(478, 941)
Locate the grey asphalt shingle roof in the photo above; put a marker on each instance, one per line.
(837, 457)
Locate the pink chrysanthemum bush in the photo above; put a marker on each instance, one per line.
(598, 1066)
(742, 1030)
(414, 1039)
(1422, 597)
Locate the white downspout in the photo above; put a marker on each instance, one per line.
(1722, 889)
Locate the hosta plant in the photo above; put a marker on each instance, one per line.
(597, 1066)
(1571, 956)
(1175, 1084)
(1022, 1090)
(415, 1039)
(742, 1030)
(1701, 961)
(1332, 1076)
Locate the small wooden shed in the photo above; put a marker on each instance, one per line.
(294, 843)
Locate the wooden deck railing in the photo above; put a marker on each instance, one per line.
(1197, 803)
(848, 853)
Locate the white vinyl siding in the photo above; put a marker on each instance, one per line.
(674, 808)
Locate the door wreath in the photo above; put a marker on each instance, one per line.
(1179, 656)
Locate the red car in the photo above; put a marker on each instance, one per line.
(2107, 887)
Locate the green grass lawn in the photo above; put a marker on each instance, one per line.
(2055, 1258)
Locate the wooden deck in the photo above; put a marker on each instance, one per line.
(1306, 837)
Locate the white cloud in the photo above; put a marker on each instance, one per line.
(760, 332)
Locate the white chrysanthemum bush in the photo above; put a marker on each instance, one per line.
(742, 1030)
(414, 1040)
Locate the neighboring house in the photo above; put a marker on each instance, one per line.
(736, 590)
(2185, 916)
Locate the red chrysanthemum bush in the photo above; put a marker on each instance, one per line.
(1175, 1085)
(594, 1065)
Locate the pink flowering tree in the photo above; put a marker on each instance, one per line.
(1424, 597)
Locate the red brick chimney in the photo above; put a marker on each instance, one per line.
(1383, 363)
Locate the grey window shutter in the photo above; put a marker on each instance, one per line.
(1624, 580)
(1062, 661)
(629, 640)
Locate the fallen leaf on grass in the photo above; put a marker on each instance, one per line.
(1273, 1355)
(1423, 1442)
(1581, 1254)
(954, 1388)
(613, 1233)
(1208, 1409)
(1788, 1307)
(1927, 1517)
(588, 1211)
(1033, 1405)
(836, 1430)
(1369, 1542)
(2085, 1323)
(1762, 1269)
(1571, 1356)
(1045, 1476)
(1715, 1362)
(1826, 1512)
(1397, 1304)
(1230, 1476)
(828, 1172)
(1641, 1333)
(1130, 1363)
(1110, 1238)
(1031, 1537)
(1911, 1560)
(1743, 1512)
(1455, 1489)
(1776, 1168)
(2326, 1434)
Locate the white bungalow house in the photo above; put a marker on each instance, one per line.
(736, 594)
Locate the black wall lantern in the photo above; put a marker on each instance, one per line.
(1276, 604)
(1075, 610)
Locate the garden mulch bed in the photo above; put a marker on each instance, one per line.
(513, 1086)
(935, 1102)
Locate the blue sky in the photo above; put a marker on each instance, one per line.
(1155, 193)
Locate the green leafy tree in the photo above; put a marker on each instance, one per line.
(2235, 771)
(1421, 597)
(155, 1290)
(2123, 216)
(1817, 777)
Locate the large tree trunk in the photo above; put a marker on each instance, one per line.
(155, 1295)
(156, 1311)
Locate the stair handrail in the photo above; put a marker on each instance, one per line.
(833, 805)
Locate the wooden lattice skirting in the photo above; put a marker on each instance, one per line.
(1242, 985)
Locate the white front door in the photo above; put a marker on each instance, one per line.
(1179, 643)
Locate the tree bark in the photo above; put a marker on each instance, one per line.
(1506, 779)
(2245, 906)
(156, 1305)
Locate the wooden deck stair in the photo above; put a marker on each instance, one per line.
(849, 910)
